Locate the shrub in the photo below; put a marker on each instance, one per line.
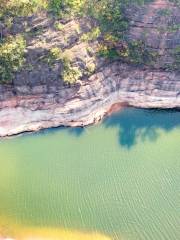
(92, 35)
(52, 56)
(12, 52)
(106, 52)
(109, 14)
(66, 7)
(58, 26)
(55, 53)
(70, 73)
(19, 8)
(140, 54)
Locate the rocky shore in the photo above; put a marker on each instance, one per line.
(38, 99)
(87, 103)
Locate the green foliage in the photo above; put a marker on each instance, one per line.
(56, 6)
(109, 14)
(112, 47)
(106, 52)
(58, 26)
(3, 7)
(70, 73)
(11, 57)
(8, 22)
(20, 7)
(66, 7)
(135, 52)
(92, 35)
(139, 54)
(55, 54)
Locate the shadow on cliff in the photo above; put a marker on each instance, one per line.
(144, 124)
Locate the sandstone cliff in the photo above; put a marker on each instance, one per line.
(38, 98)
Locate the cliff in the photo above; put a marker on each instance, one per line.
(38, 97)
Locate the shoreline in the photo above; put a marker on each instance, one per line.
(106, 91)
(148, 77)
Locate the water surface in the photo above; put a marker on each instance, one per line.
(119, 179)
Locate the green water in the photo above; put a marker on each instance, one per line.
(120, 178)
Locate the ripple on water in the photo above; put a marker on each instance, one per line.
(120, 178)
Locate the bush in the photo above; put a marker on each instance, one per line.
(70, 73)
(55, 54)
(140, 54)
(20, 7)
(66, 7)
(109, 14)
(58, 26)
(12, 52)
(92, 35)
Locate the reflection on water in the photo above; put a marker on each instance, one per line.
(85, 179)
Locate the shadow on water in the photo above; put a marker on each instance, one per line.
(135, 123)
(76, 131)
(132, 124)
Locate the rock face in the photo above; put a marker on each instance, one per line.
(88, 103)
(38, 98)
(158, 25)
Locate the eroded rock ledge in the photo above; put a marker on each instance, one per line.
(38, 99)
(88, 102)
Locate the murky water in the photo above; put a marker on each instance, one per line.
(119, 180)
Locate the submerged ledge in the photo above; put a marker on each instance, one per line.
(111, 88)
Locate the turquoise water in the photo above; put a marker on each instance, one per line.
(120, 178)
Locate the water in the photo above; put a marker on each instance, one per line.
(115, 181)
